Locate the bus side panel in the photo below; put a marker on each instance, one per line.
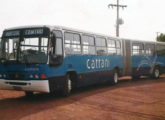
(144, 65)
(160, 51)
(161, 62)
(90, 70)
(93, 69)
(141, 65)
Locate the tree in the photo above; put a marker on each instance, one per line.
(161, 38)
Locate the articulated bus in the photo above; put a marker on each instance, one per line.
(52, 58)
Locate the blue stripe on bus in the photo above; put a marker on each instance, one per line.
(86, 63)
(147, 61)
(78, 63)
(81, 64)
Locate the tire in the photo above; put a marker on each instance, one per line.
(135, 77)
(156, 73)
(67, 86)
(29, 93)
(115, 77)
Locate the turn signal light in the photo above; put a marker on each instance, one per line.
(43, 76)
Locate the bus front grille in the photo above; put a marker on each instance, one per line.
(16, 77)
(17, 83)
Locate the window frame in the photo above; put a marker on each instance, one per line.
(82, 45)
(156, 49)
(152, 52)
(100, 38)
(141, 52)
(114, 47)
(101, 46)
(118, 48)
(72, 53)
(61, 39)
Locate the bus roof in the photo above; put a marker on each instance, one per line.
(62, 28)
(81, 31)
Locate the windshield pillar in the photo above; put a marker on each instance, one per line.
(39, 45)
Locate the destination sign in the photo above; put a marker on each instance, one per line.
(12, 33)
(26, 32)
(34, 32)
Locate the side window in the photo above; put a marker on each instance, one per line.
(118, 48)
(150, 49)
(58, 33)
(72, 43)
(101, 46)
(13, 46)
(58, 46)
(111, 47)
(58, 43)
(88, 45)
(160, 49)
(137, 49)
(76, 39)
(68, 38)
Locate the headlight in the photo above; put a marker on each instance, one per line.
(36, 76)
(31, 76)
(4, 75)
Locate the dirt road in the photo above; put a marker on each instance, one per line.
(128, 100)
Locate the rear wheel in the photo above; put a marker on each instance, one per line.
(67, 86)
(115, 77)
(156, 73)
(29, 93)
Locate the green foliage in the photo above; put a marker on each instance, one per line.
(161, 38)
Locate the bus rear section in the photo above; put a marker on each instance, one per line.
(143, 59)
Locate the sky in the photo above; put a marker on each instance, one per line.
(143, 19)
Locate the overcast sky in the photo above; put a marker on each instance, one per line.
(142, 18)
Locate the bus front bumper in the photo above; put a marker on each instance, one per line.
(30, 85)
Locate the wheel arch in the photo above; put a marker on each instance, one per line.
(156, 66)
(73, 76)
(116, 68)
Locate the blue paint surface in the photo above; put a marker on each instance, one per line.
(80, 64)
(147, 61)
(76, 63)
(145, 64)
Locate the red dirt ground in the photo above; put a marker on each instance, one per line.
(128, 100)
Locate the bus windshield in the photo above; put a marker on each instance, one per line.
(9, 48)
(33, 50)
(27, 50)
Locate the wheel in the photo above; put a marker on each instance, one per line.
(67, 86)
(135, 77)
(29, 93)
(156, 73)
(115, 77)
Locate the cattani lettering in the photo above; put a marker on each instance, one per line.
(97, 63)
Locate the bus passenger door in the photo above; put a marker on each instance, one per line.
(56, 49)
(127, 60)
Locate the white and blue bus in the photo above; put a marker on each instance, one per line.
(52, 58)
